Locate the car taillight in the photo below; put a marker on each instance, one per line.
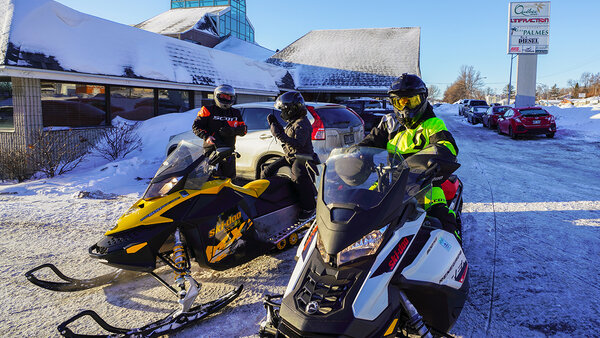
(318, 128)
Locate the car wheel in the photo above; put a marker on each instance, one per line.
(550, 135)
(511, 133)
(483, 124)
(498, 130)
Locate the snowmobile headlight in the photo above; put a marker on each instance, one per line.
(365, 246)
(161, 188)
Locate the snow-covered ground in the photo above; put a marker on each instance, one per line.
(531, 224)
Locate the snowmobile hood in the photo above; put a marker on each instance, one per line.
(146, 212)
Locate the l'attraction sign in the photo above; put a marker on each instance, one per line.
(528, 27)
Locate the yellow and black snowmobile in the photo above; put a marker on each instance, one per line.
(188, 212)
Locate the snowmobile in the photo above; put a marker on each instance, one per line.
(373, 264)
(189, 211)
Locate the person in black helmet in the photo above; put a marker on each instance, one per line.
(295, 139)
(219, 124)
(414, 129)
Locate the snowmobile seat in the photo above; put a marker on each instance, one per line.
(280, 190)
(450, 188)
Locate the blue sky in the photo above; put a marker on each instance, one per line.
(453, 32)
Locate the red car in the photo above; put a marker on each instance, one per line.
(490, 118)
(527, 121)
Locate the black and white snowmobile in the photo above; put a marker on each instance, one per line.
(373, 264)
(189, 212)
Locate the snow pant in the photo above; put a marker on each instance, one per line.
(303, 183)
(226, 167)
(436, 206)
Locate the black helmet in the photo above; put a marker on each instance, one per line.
(408, 95)
(224, 96)
(291, 105)
(353, 169)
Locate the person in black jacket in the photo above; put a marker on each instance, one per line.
(219, 124)
(296, 139)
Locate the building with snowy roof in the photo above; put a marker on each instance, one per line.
(204, 22)
(330, 65)
(63, 69)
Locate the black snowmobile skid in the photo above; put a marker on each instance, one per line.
(168, 324)
(73, 284)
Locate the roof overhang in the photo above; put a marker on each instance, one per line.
(53, 75)
(375, 90)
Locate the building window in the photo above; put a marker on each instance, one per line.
(173, 101)
(177, 4)
(6, 104)
(73, 105)
(132, 103)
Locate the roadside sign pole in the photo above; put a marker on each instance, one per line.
(526, 80)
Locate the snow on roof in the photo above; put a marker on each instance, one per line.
(45, 34)
(238, 46)
(181, 20)
(330, 58)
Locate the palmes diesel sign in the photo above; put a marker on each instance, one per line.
(528, 27)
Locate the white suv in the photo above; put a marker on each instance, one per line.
(333, 126)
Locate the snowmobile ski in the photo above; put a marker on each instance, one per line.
(72, 284)
(168, 324)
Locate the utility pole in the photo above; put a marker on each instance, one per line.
(512, 57)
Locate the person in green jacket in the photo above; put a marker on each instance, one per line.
(414, 128)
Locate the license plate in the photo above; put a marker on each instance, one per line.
(537, 121)
(349, 139)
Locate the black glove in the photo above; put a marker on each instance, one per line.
(226, 131)
(241, 130)
(276, 129)
(271, 119)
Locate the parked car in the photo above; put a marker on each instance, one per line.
(461, 106)
(490, 118)
(467, 104)
(475, 113)
(333, 126)
(527, 121)
(370, 110)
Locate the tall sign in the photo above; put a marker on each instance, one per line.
(529, 27)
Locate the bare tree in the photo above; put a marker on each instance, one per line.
(454, 92)
(434, 92)
(55, 153)
(13, 165)
(118, 141)
(472, 81)
(542, 91)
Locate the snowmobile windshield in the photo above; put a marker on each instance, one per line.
(184, 160)
(363, 176)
